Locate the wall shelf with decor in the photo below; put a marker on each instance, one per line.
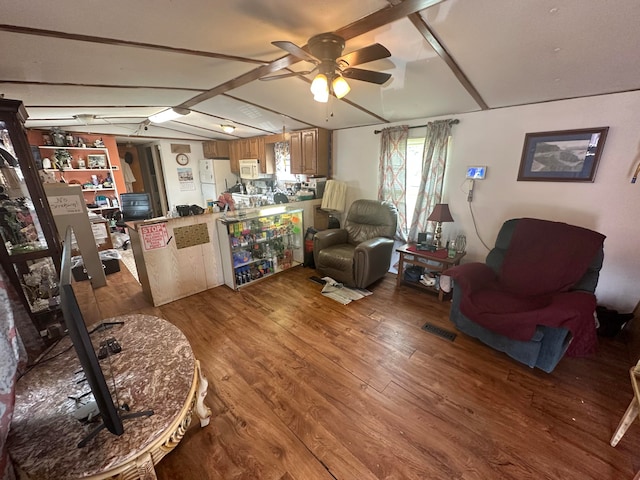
(89, 167)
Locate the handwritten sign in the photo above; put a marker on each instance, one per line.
(66, 205)
(154, 236)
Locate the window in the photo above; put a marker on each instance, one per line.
(415, 147)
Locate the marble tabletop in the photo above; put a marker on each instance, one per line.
(154, 370)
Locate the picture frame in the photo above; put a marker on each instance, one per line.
(96, 161)
(562, 156)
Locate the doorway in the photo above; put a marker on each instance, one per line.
(154, 177)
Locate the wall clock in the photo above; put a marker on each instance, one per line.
(182, 159)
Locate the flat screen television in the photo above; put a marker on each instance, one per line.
(81, 339)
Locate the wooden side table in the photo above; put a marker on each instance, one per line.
(156, 370)
(437, 261)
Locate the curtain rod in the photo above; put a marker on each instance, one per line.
(453, 121)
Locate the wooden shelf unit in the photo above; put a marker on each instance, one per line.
(84, 175)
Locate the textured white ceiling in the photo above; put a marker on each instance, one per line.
(496, 53)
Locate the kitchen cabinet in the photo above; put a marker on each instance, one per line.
(234, 157)
(30, 250)
(309, 151)
(89, 167)
(253, 147)
(216, 149)
(254, 247)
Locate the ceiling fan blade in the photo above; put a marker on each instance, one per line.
(366, 75)
(286, 75)
(296, 51)
(365, 55)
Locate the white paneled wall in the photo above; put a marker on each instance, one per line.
(495, 138)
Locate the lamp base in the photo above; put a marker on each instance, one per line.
(437, 236)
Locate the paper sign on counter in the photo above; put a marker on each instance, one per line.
(154, 236)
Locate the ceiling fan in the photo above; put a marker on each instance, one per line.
(325, 52)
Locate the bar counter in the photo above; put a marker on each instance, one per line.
(180, 256)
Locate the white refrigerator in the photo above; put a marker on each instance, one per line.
(215, 178)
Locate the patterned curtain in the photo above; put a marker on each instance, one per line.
(436, 146)
(392, 174)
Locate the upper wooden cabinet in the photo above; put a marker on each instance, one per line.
(247, 148)
(310, 152)
(252, 148)
(234, 156)
(216, 149)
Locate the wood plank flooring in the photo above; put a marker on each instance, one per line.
(304, 388)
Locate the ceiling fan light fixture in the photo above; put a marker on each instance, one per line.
(228, 128)
(322, 97)
(340, 86)
(320, 86)
(169, 114)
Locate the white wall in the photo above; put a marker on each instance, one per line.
(495, 138)
(175, 196)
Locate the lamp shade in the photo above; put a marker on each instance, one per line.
(320, 85)
(340, 87)
(441, 213)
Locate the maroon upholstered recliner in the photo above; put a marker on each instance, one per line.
(534, 297)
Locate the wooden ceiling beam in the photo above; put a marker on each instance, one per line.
(427, 33)
(122, 43)
(417, 20)
(385, 16)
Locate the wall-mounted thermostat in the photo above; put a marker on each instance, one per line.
(476, 172)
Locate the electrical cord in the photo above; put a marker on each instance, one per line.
(475, 226)
(42, 359)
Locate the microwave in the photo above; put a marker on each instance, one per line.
(250, 169)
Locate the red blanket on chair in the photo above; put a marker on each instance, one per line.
(544, 260)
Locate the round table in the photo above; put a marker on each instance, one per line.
(156, 370)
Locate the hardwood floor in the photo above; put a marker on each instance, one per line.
(302, 387)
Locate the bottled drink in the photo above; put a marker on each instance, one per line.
(451, 252)
(461, 243)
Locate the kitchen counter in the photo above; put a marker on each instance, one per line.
(180, 256)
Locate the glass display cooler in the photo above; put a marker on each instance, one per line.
(256, 246)
(30, 251)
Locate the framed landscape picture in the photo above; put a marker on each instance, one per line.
(562, 156)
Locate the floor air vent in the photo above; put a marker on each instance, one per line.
(441, 332)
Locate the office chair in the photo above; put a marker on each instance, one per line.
(133, 206)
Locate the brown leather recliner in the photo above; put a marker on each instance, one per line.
(360, 253)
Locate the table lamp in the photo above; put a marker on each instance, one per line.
(439, 214)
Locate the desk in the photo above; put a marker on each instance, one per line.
(156, 369)
(432, 261)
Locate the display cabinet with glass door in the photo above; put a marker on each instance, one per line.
(30, 251)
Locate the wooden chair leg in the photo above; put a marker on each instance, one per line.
(627, 419)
